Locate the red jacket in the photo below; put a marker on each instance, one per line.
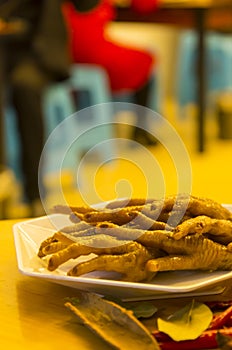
(128, 68)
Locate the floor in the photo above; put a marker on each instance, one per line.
(148, 172)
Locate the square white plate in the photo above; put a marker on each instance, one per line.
(29, 234)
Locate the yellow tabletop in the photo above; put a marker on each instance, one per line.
(32, 312)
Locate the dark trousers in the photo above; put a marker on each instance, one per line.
(23, 86)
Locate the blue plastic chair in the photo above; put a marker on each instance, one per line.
(93, 80)
(218, 65)
(12, 142)
(57, 105)
(91, 126)
(91, 85)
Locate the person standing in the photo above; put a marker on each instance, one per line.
(33, 55)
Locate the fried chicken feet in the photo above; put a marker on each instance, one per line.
(140, 238)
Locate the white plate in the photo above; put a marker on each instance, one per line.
(29, 234)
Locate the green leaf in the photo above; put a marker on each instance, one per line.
(140, 310)
(187, 323)
(143, 309)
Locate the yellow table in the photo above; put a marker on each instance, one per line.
(32, 312)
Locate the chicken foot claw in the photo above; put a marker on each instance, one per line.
(131, 265)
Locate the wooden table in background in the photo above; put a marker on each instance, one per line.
(199, 14)
(33, 315)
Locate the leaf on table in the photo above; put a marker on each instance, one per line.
(113, 323)
(187, 323)
(143, 309)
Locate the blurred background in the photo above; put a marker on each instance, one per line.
(170, 32)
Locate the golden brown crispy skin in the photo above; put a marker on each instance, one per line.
(191, 253)
(179, 232)
(54, 248)
(219, 229)
(129, 260)
(65, 209)
(128, 202)
(105, 224)
(58, 239)
(80, 226)
(191, 205)
(44, 244)
(99, 244)
(121, 232)
(119, 217)
(209, 207)
(143, 222)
